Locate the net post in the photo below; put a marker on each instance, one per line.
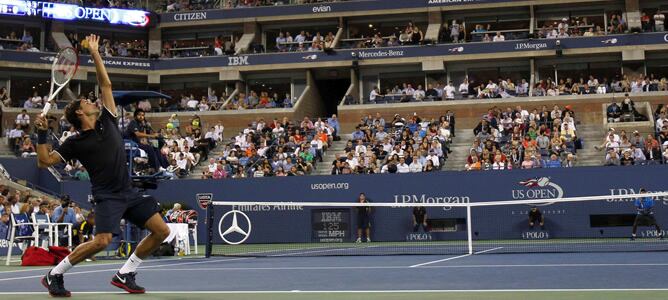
(469, 228)
(209, 229)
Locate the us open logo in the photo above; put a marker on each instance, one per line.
(538, 188)
(204, 199)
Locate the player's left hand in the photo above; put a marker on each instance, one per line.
(93, 43)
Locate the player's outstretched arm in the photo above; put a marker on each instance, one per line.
(44, 157)
(101, 72)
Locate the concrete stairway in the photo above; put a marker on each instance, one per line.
(591, 135)
(460, 146)
(325, 167)
(5, 151)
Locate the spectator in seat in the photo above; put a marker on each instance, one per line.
(4, 226)
(612, 159)
(219, 172)
(449, 91)
(637, 154)
(614, 112)
(627, 158)
(553, 162)
(65, 212)
(82, 174)
(140, 131)
(499, 37)
(27, 149)
(23, 120)
(652, 148)
(659, 21)
(14, 137)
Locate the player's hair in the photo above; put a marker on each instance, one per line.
(71, 114)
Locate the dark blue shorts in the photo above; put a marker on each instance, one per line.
(363, 222)
(133, 207)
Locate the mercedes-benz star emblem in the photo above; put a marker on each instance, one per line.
(234, 228)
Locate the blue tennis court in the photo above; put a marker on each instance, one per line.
(590, 275)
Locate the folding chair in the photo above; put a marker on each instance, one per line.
(22, 231)
(43, 222)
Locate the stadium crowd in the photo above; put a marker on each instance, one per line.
(522, 139)
(635, 148)
(400, 145)
(276, 148)
(508, 88)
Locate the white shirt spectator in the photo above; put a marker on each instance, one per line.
(522, 88)
(182, 163)
(464, 88)
(15, 133)
(415, 166)
(192, 104)
(449, 91)
(278, 130)
(403, 168)
(23, 119)
(373, 95)
(409, 91)
(434, 160)
(499, 38)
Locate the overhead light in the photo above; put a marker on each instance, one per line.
(370, 25)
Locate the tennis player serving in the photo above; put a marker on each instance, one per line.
(99, 147)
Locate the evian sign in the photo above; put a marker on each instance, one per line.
(538, 188)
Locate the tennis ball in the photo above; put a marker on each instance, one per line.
(170, 126)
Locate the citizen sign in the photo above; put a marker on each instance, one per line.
(190, 16)
(237, 61)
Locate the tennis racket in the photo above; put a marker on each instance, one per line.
(65, 65)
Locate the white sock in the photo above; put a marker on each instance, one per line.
(62, 267)
(131, 264)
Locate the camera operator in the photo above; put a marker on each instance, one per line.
(64, 214)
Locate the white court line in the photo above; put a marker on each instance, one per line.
(361, 292)
(308, 252)
(438, 261)
(143, 268)
(453, 258)
(405, 267)
(120, 262)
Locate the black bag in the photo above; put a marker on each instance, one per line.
(165, 249)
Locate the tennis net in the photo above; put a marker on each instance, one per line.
(578, 224)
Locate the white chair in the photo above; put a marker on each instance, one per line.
(44, 223)
(44, 227)
(22, 231)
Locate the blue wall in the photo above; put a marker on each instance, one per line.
(292, 224)
(570, 220)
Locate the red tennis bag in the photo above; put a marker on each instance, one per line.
(37, 256)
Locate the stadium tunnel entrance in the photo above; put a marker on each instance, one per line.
(332, 85)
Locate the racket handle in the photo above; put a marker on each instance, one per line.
(46, 108)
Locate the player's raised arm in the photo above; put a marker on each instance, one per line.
(101, 72)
